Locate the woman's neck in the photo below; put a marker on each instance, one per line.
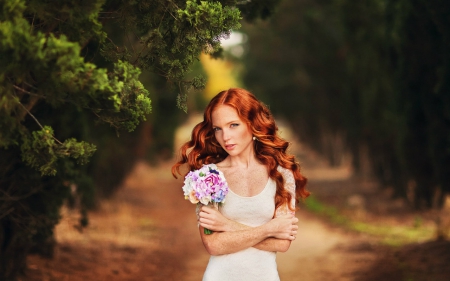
(243, 160)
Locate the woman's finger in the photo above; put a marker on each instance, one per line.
(205, 220)
(205, 214)
(208, 210)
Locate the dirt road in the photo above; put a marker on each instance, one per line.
(147, 231)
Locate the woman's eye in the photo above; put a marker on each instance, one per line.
(234, 125)
(216, 129)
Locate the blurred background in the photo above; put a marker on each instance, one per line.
(360, 89)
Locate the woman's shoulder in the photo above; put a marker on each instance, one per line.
(287, 173)
(283, 170)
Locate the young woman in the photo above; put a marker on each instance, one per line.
(239, 137)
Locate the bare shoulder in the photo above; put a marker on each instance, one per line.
(287, 174)
(283, 170)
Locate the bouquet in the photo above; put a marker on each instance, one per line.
(206, 185)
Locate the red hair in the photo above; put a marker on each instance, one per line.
(270, 148)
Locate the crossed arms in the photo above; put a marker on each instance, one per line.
(230, 236)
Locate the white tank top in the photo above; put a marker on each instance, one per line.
(250, 264)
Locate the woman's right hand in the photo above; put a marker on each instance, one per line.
(283, 227)
(212, 219)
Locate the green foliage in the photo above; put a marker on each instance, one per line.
(169, 35)
(70, 83)
(373, 72)
(42, 151)
(390, 235)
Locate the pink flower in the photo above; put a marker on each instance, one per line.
(206, 185)
(212, 180)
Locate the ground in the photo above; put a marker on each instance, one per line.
(147, 231)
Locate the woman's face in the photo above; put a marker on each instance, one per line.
(232, 133)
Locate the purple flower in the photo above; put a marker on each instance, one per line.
(205, 185)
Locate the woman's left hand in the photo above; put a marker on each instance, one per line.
(212, 219)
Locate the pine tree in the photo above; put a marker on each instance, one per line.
(374, 73)
(66, 68)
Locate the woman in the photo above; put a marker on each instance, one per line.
(239, 136)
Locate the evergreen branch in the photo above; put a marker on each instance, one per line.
(162, 20)
(112, 42)
(32, 23)
(29, 113)
(134, 51)
(174, 4)
(31, 104)
(8, 197)
(139, 55)
(31, 86)
(37, 121)
(6, 213)
(59, 19)
(170, 13)
(22, 219)
(27, 92)
(44, 97)
(131, 43)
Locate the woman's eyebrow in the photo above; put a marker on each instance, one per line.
(234, 121)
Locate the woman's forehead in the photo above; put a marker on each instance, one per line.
(224, 114)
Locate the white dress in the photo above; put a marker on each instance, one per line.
(250, 264)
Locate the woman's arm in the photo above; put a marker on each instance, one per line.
(276, 234)
(214, 220)
(274, 245)
(227, 242)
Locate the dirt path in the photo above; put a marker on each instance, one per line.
(322, 252)
(148, 232)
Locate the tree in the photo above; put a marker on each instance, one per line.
(373, 72)
(67, 68)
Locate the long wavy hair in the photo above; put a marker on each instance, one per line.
(269, 147)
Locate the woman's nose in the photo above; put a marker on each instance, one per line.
(226, 135)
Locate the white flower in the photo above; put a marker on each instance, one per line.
(205, 200)
(188, 186)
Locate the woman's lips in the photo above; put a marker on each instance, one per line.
(229, 146)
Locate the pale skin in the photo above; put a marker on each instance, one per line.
(246, 176)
